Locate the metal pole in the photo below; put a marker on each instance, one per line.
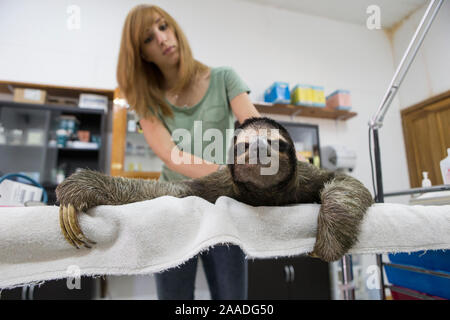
(379, 199)
(348, 287)
(405, 63)
(377, 120)
(379, 174)
(440, 188)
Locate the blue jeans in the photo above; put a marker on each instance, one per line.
(225, 269)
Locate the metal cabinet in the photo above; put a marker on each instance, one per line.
(53, 290)
(296, 278)
(28, 145)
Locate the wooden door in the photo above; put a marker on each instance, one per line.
(119, 133)
(426, 128)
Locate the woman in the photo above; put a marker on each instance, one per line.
(169, 90)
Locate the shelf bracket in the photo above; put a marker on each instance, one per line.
(295, 113)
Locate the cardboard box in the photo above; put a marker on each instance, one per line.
(30, 95)
(278, 92)
(93, 101)
(339, 99)
(302, 94)
(13, 193)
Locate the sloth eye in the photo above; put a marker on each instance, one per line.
(282, 145)
(241, 148)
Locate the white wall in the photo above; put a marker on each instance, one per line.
(429, 73)
(263, 44)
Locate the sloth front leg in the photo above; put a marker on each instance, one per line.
(344, 201)
(86, 189)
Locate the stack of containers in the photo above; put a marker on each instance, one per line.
(339, 99)
(307, 95)
(302, 94)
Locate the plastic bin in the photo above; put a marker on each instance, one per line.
(427, 283)
(408, 294)
(302, 94)
(339, 99)
(278, 92)
(437, 260)
(318, 96)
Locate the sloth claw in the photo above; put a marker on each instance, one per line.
(70, 227)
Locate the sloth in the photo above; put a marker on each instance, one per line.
(257, 145)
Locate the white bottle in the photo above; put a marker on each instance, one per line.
(60, 176)
(426, 182)
(445, 168)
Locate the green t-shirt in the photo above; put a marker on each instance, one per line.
(200, 125)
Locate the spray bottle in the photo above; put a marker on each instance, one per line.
(445, 168)
(426, 182)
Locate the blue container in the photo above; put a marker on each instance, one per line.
(437, 260)
(426, 283)
(278, 93)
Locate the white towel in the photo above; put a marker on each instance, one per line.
(154, 235)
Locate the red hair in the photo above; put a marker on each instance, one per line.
(140, 81)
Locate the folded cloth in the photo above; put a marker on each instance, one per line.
(154, 235)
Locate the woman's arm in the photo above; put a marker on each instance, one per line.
(243, 107)
(160, 140)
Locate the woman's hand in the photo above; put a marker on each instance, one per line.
(301, 158)
(160, 141)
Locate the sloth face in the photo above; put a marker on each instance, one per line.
(262, 154)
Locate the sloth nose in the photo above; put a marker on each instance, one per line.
(258, 141)
(262, 142)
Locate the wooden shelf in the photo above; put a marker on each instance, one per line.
(54, 107)
(75, 149)
(72, 92)
(304, 111)
(4, 145)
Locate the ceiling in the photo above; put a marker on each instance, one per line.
(351, 11)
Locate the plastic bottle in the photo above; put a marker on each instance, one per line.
(426, 182)
(445, 168)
